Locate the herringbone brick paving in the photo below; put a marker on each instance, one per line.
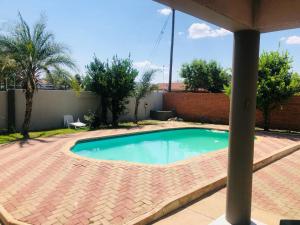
(40, 184)
(275, 196)
(276, 187)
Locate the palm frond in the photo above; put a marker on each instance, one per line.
(144, 86)
(60, 60)
(34, 51)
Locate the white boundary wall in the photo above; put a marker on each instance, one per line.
(154, 102)
(49, 107)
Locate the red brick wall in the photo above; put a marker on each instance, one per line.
(214, 108)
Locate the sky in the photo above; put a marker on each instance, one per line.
(133, 27)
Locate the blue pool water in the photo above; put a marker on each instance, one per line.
(160, 147)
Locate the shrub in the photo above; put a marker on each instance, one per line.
(113, 82)
(96, 80)
(92, 120)
(276, 82)
(121, 76)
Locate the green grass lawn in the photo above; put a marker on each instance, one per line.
(38, 134)
(6, 138)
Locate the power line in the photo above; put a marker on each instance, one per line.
(160, 36)
(157, 42)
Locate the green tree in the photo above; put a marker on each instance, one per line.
(121, 76)
(276, 82)
(202, 74)
(143, 88)
(219, 77)
(295, 83)
(96, 80)
(35, 52)
(60, 78)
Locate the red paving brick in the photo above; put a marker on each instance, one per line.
(41, 184)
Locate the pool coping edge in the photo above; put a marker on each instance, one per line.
(7, 219)
(66, 149)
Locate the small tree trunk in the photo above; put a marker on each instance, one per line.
(115, 115)
(104, 114)
(103, 110)
(266, 115)
(27, 117)
(114, 119)
(136, 109)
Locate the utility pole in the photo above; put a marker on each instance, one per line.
(171, 52)
(163, 73)
(15, 81)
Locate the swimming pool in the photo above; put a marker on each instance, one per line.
(156, 147)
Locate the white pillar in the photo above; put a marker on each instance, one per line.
(242, 123)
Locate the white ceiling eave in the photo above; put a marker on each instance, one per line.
(234, 15)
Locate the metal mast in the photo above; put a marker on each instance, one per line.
(171, 52)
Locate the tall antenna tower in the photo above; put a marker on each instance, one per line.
(171, 51)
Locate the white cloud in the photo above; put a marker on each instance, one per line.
(202, 30)
(4, 27)
(161, 75)
(180, 33)
(165, 11)
(282, 39)
(292, 40)
(146, 64)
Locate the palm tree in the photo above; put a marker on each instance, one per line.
(7, 70)
(142, 88)
(35, 53)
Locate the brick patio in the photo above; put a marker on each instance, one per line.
(41, 184)
(275, 196)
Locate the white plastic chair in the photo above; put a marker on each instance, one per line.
(69, 121)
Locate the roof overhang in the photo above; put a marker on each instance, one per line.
(234, 15)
